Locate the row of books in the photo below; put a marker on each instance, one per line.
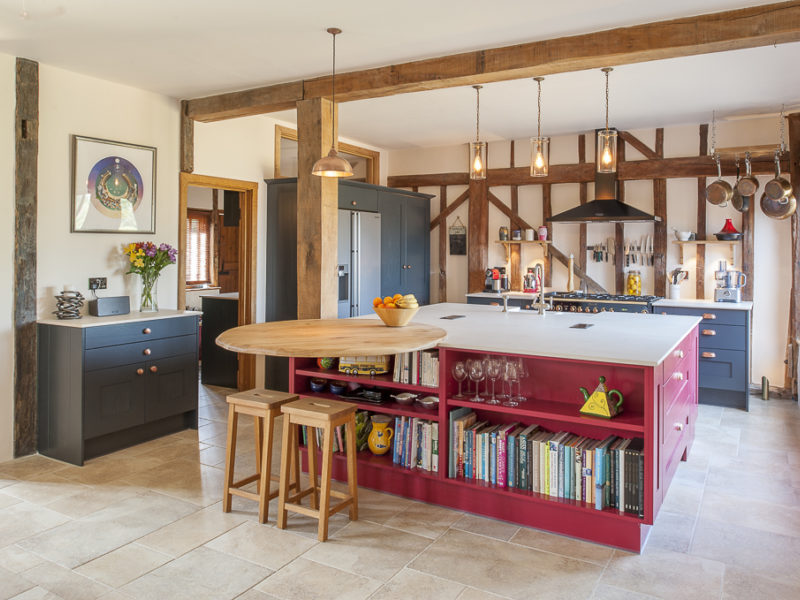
(417, 368)
(338, 437)
(606, 473)
(416, 444)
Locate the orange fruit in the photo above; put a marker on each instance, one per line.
(390, 305)
(376, 301)
(388, 300)
(381, 305)
(397, 297)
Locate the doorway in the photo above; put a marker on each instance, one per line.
(235, 262)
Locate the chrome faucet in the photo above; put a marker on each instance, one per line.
(538, 273)
(505, 301)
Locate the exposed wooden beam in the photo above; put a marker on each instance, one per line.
(477, 235)
(443, 246)
(434, 179)
(187, 139)
(660, 227)
(25, 208)
(794, 314)
(700, 265)
(440, 218)
(688, 36)
(639, 145)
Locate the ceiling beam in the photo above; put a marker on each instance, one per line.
(702, 34)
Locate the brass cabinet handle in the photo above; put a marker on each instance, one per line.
(154, 369)
(709, 316)
(709, 332)
(146, 330)
(140, 371)
(709, 355)
(678, 426)
(679, 353)
(147, 352)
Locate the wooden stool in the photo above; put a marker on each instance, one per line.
(326, 415)
(265, 406)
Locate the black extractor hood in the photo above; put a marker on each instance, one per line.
(605, 208)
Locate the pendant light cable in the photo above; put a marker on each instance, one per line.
(783, 129)
(714, 132)
(539, 109)
(478, 113)
(607, 70)
(333, 31)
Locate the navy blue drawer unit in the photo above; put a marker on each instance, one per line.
(105, 387)
(724, 354)
(521, 302)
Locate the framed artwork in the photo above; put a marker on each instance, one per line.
(113, 187)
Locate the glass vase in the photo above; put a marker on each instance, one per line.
(149, 296)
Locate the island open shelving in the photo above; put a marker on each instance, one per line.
(660, 407)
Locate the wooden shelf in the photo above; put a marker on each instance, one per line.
(559, 412)
(387, 408)
(507, 243)
(384, 381)
(731, 245)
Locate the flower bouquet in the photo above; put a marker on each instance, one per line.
(148, 260)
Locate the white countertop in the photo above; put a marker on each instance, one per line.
(744, 305)
(624, 338)
(133, 316)
(498, 296)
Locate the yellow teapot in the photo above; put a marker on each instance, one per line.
(380, 438)
(597, 405)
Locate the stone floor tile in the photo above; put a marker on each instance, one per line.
(191, 531)
(122, 565)
(419, 586)
(6, 500)
(266, 546)
(369, 550)
(508, 569)
(745, 584)
(488, 527)
(95, 498)
(64, 583)
(755, 514)
(563, 545)
(15, 559)
(473, 594)
(378, 507)
(202, 574)
(12, 584)
(302, 579)
(22, 520)
(424, 519)
(609, 592)
(29, 466)
(754, 486)
(41, 489)
(684, 498)
(665, 574)
(672, 531)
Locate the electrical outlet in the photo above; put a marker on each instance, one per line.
(97, 283)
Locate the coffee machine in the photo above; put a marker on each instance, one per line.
(729, 284)
(496, 280)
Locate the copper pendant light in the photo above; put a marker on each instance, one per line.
(477, 149)
(333, 165)
(607, 141)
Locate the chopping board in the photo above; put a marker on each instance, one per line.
(329, 337)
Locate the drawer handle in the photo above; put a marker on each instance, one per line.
(678, 426)
(678, 376)
(154, 369)
(147, 352)
(709, 332)
(709, 355)
(140, 371)
(679, 353)
(709, 316)
(146, 330)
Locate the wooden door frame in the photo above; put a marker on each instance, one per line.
(248, 201)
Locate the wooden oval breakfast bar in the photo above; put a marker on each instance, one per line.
(599, 488)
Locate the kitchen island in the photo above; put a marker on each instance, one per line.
(650, 359)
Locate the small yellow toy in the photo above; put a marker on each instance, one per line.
(597, 404)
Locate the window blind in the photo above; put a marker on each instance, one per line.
(198, 246)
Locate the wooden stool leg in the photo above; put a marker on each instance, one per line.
(350, 442)
(266, 468)
(230, 457)
(258, 431)
(325, 491)
(287, 452)
(295, 464)
(312, 465)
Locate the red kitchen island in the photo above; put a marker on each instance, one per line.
(651, 359)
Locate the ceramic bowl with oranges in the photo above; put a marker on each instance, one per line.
(397, 310)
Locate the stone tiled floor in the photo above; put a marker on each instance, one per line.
(146, 522)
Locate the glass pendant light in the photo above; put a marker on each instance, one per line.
(540, 146)
(477, 149)
(333, 165)
(607, 141)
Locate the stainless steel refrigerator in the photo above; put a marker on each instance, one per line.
(359, 260)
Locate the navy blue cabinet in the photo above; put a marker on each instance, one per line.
(103, 387)
(724, 354)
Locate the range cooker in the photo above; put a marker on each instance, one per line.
(596, 303)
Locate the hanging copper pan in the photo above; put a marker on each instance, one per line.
(778, 188)
(740, 203)
(719, 192)
(778, 209)
(747, 185)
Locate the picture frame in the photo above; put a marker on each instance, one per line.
(113, 187)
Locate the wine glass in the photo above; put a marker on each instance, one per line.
(522, 373)
(493, 370)
(503, 381)
(459, 372)
(476, 374)
(511, 374)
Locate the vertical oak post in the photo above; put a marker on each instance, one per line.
(660, 227)
(794, 307)
(700, 271)
(583, 193)
(619, 230)
(478, 234)
(515, 275)
(25, 201)
(187, 139)
(317, 206)
(547, 212)
(442, 245)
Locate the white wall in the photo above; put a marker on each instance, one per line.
(70, 103)
(772, 284)
(200, 198)
(7, 107)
